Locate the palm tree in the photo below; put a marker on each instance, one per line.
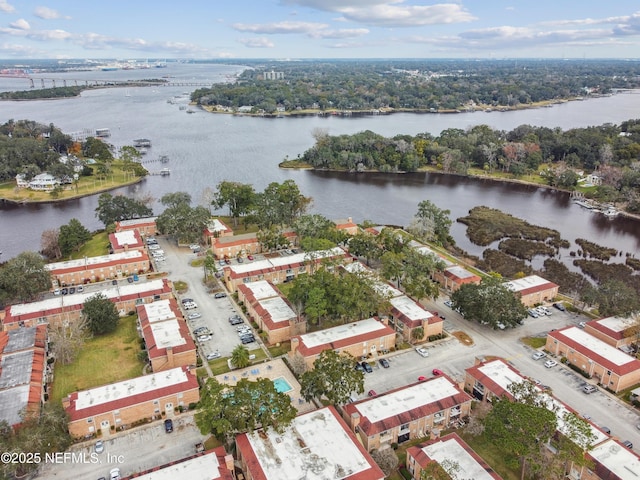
(240, 357)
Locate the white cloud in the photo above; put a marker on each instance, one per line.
(20, 24)
(261, 42)
(46, 13)
(280, 27)
(391, 13)
(6, 7)
(340, 33)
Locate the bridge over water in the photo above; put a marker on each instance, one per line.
(50, 82)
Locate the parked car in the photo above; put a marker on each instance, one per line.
(367, 367)
(80, 289)
(65, 290)
(550, 363)
(359, 367)
(236, 321)
(538, 355)
(220, 295)
(168, 425)
(194, 315)
(448, 303)
(423, 352)
(560, 306)
(114, 282)
(422, 378)
(213, 355)
(437, 372)
(533, 313)
(205, 338)
(190, 306)
(56, 291)
(582, 325)
(114, 474)
(246, 340)
(250, 257)
(589, 389)
(201, 331)
(240, 260)
(130, 279)
(371, 393)
(99, 446)
(187, 300)
(72, 290)
(628, 444)
(606, 430)
(384, 362)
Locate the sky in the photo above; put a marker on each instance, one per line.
(290, 29)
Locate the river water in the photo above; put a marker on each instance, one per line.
(206, 148)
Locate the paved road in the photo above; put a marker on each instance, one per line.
(453, 358)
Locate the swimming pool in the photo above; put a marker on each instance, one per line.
(281, 385)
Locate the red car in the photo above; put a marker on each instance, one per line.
(250, 257)
(422, 378)
(437, 372)
(372, 393)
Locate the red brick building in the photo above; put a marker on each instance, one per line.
(146, 227)
(407, 315)
(214, 464)
(118, 405)
(533, 290)
(126, 240)
(166, 335)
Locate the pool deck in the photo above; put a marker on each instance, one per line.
(271, 370)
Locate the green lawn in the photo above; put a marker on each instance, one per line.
(98, 245)
(105, 359)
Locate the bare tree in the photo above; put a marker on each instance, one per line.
(49, 244)
(67, 339)
(476, 420)
(386, 459)
(298, 364)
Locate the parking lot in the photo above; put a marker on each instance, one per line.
(214, 312)
(132, 451)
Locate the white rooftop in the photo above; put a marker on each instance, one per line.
(386, 290)
(341, 332)
(126, 237)
(75, 299)
(261, 289)
(278, 309)
(95, 261)
(159, 311)
(459, 271)
(406, 399)
(597, 346)
(205, 467)
(216, 225)
(617, 459)
(617, 324)
(409, 308)
(129, 388)
(424, 250)
(315, 446)
(137, 221)
(167, 334)
(500, 373)
(283, 261)
(524, 283)
(452, 451)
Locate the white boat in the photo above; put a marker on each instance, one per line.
(611, 212)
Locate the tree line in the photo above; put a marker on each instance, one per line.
(420, 85)
(613, 151)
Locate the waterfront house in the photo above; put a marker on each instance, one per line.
(413, 411)
(318, 443)
(365, 338)
(44, 182)
(122, 404)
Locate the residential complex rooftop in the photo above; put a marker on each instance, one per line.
(343, 332)
(315, 446)
(94, 261)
